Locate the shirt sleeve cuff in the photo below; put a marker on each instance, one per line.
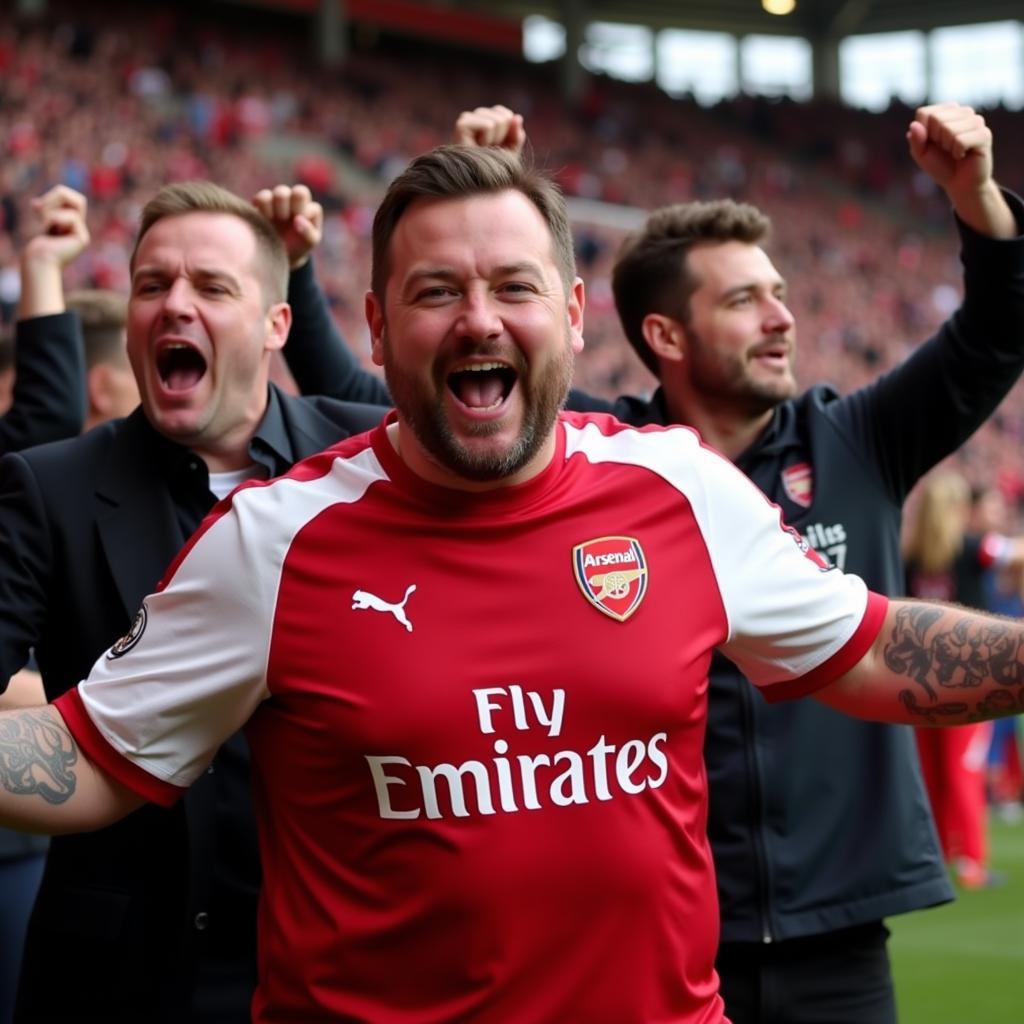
(841, 662)
(101, 753)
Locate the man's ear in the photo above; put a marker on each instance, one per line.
(577, 302)
(279, 323)
(375, 322)
(665, 337)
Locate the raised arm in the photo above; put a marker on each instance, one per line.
(953, 146)
(46, 782)
(935, 664)
(914, 416)
(317, 355)
(49, 383)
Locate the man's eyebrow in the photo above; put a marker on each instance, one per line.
(738, 289)
(147, 270)
(752, 286)
(214, 274)
(522, 267)
(155, 270)
(432, 273)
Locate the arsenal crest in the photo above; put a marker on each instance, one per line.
(612, 573)
(798, 482)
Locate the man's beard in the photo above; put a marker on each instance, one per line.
(423, 409)
(731, 382)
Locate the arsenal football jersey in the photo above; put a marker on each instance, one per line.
(476, 719)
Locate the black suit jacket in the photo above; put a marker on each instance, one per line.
(122, 930)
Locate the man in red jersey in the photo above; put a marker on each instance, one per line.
(471, 647)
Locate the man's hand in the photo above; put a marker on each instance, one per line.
(295, 216)
(62, 237)
(953, 146)
(490, 126)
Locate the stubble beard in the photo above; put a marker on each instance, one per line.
(732, 382)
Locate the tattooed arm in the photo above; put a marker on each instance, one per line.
(47, 784)
(936, 664)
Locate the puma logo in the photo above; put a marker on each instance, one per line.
(363, 599)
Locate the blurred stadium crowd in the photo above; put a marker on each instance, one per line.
(116, 100)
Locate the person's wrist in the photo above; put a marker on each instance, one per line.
(43, 261)
(984, 208)
(42, 285)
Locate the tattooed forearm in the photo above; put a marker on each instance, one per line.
(36, 756)
(967, 665)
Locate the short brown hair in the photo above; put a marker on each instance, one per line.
(458, 172)
(651, 274)
(103, 315)
(206, 197)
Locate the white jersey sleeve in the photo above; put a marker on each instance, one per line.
(193, 669)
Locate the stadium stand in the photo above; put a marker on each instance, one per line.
(115, 101)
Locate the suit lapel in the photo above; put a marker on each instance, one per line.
(138, 529)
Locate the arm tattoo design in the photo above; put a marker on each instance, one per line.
(36, 757)
(954, 656)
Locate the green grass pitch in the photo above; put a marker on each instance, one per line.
(964, 963)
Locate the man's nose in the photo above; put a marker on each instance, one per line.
(777, 317)
(179, 300)
(479, 317)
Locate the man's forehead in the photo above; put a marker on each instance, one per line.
(506, 227)
(194, 233)
(723, 264)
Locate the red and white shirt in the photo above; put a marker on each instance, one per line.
(476, 719)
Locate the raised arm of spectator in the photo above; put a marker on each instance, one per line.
(952, 144)
(935, 399)
(49, 384)
(317, 355)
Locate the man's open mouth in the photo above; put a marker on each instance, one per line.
(180, 366)
(482, 386)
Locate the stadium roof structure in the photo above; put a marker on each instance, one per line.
(812, 19)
